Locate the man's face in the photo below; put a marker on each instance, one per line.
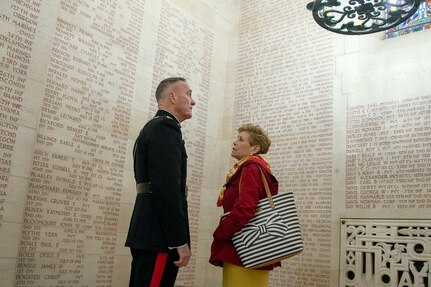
(183, 100)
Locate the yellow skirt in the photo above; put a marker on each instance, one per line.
(237, 276)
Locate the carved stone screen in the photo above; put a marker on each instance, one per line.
(385, 252)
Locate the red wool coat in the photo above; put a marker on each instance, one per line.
(242, 207)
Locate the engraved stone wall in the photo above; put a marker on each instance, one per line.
(289, 93)
(76, 80)
(69, 233)
(388, 155)
(192, 60)
(348, 117)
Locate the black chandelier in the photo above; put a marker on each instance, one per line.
(357, 17)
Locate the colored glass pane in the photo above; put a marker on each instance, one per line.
(421, 20)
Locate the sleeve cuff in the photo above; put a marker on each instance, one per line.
(184, 245)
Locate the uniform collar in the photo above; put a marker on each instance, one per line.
(162, 112)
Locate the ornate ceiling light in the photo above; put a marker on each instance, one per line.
(356, 17)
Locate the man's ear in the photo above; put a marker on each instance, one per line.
(172, 97)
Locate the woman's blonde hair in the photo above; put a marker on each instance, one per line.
(257, 136)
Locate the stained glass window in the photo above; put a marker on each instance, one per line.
(421, 20)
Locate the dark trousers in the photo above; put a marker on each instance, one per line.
(152, 269)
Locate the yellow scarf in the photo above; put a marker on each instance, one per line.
(229, 175)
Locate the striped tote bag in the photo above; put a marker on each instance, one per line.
(273, 234)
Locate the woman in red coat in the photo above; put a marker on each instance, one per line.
(239, 197)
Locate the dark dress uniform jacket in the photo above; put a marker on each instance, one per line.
(160, 217)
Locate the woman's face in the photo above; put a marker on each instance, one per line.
(241, 146)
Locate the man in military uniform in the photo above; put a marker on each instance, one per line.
(159, 237)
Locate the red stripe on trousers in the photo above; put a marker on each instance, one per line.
(158, 269)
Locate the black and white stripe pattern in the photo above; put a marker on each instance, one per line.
(262, 247)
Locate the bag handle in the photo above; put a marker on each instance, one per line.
(268, 193)
(265, 183)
